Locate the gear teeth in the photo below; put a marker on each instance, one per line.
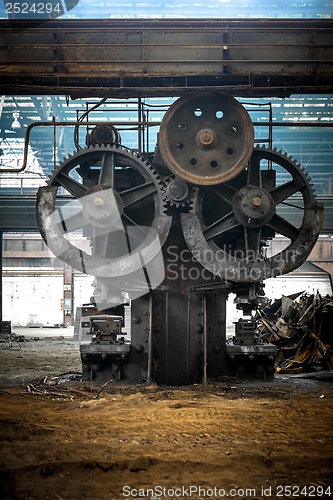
(170, 202)
(293, 163)
(192, 199)
(301, 178)
(118, 148)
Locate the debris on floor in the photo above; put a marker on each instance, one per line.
(301, 327)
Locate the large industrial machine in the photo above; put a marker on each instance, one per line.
(172, 233)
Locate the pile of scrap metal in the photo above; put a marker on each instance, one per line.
(302, 331)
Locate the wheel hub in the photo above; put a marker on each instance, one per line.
(253, 206)
(177, 190)
(102, 207)
(206, 138)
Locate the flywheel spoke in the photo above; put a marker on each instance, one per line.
(72, 186)
(281, 193)
(221, 226)
(225, 192)
(137, 193)
(284, 227)
(252, 243)
(253, 171)
(73, 222)
(106, 175)
(110, 244)
(132, 223)
(100, 242)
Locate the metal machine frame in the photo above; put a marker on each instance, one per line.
(202, 192)
(207, 189)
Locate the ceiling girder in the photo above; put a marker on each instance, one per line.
(122, 58)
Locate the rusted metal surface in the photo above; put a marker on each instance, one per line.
(53, 232)
(176, 336)
(301, 329)
(166, 57)
(206, 139)
(228, 239)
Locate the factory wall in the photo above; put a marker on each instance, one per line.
(36, 300)
(33, 300)
(32, 290)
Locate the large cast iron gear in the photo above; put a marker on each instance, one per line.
(206, 139)
(230, 223)
(98, 179)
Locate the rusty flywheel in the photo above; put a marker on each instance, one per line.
(206, 139)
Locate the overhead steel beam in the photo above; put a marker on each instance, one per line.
(119, 58)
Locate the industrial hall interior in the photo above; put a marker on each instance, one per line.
(166, 249)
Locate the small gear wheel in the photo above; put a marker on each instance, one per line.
(177, 192)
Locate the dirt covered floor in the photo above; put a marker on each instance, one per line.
(68, 439)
